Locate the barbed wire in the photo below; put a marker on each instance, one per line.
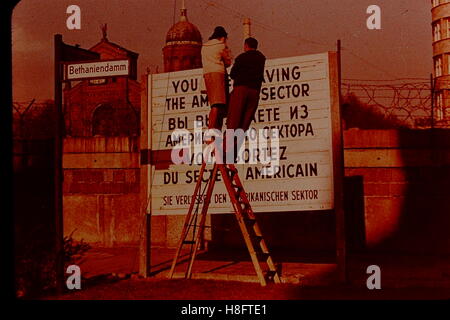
(407, 101)
(410, 103)
(33, 119)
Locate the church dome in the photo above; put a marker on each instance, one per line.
(183, 32)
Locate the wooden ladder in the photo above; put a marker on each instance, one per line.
(244, 214)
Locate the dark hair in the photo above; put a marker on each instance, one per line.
(219, 32)
(251, 42)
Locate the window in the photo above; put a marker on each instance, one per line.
(103, 121)
(438, 66)
(111, 122)
(447, 27)
(439, 106)
(436, 31)
(448, 63)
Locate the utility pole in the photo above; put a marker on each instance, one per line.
(247, 28)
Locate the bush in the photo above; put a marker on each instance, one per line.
(74, 250)
(35, 263)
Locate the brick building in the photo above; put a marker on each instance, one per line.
(440, 13)
(101, 147)
(101, 163)
(104, 107)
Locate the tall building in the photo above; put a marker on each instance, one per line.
(440, 13)
(183, 46)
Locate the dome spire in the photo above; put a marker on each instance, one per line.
(104, 28)
(183, 16)
(183, 45)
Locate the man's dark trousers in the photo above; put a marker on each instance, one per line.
(242, 107)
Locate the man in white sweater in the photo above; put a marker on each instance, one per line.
(216, 57)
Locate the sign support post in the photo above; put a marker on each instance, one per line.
(59, 243)
(145, 174)
(338, 145)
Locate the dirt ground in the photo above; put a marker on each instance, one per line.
(112, 273)
(159, 289)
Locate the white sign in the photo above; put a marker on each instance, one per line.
(295, 99)
(98, 69)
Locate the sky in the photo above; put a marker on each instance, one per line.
(284, 28)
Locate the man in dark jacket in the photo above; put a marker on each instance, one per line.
(248, 74)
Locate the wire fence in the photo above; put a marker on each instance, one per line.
(33, 133)
(399, 103)
(33, 120)
(395, 104)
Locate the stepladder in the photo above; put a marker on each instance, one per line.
(194, 225)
